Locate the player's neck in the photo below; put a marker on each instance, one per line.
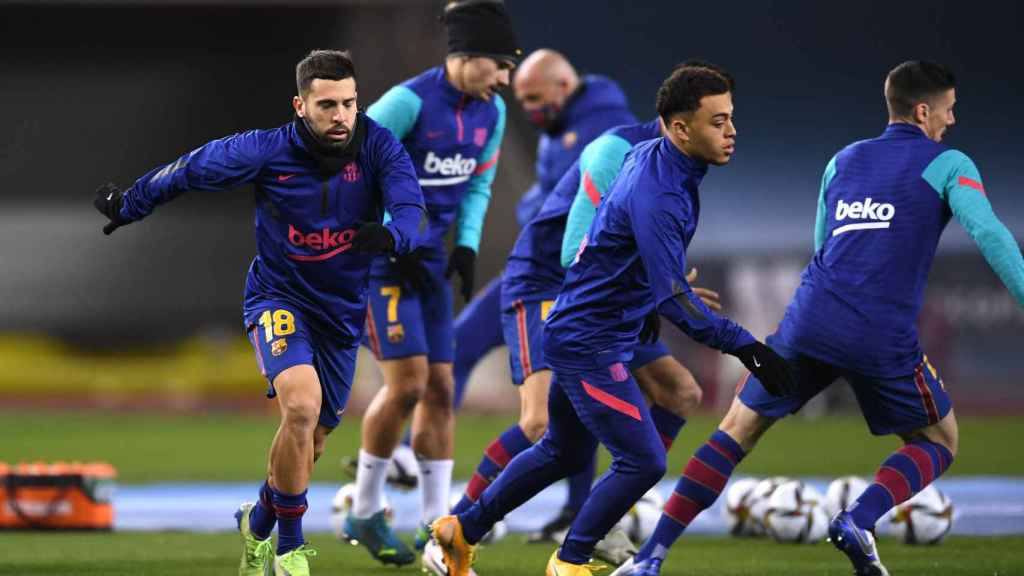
(452, 73)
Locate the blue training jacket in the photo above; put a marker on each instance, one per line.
(305, 221)
(454, 141)
(882, 207)
(597, 105)
(632, 260)
(533, 270)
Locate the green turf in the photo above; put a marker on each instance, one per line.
(224, 446)
(160, 554)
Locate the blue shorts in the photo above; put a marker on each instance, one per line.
(283, 338)
(401, 323)
(523, 326)
(889, 405)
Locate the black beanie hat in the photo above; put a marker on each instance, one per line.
(481, 28)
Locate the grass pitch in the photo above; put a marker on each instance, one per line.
(167, 554)
(224, 446)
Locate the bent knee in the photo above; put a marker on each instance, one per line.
(534, 426)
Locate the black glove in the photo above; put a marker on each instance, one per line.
(651, 330)
(372, 238)
(463, 261)
(413, 272)
(770, 368)
(108, 201)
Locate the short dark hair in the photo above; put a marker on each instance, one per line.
(323, 64)
(698, 63)
(913, 82)
(682, 91)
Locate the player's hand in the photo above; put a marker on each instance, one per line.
(709, 297)
(372, 238)
(412, 272)
(108, 201)
(463, 261)
(770, 368)
(651, 330)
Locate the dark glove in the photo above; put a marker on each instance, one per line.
(372, 238)
(413, 272)
(108, 201)
(651, 330)
(770, 368)
(463, 261)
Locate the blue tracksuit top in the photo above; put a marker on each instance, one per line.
(533, 270)
(632, 260)
(882, 206)
(454, 141)
(305, 221)
(598, 104)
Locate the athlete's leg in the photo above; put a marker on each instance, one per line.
(478, 330)
(405, 381)
(291, 455)
(433, 432)
(918, 409)
(670, 385)
(533, 422)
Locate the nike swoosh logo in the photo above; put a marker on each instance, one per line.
(285, 177)
(756, 363)
(434, 134)
(109, 196)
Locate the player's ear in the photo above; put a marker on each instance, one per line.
(299, 106)
(921, 112)
(680, 127)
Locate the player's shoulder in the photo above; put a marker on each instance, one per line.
(425, 82)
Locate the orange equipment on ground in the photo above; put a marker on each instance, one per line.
(61, 496)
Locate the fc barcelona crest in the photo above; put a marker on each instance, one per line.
(396, 333)
(351, 172)
(278, 347)
(480, 136)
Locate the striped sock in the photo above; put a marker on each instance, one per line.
(667, 424)
(289, 509)
(903, 474)
(262, 518)
(496, 457)
(702, 481)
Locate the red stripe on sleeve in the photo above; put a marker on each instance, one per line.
(617, 404)
(971, 183)
(591, 189)
(487, 165)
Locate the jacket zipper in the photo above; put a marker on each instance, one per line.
(325, 189)
(458, 115)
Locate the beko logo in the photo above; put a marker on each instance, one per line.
(876, 215)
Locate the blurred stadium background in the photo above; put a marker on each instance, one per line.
(129, 349)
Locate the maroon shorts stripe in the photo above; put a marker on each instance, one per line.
(617, 404)
(371, 331)
(926, 395)
(524, 340)
(497, 453)
(895, 482)
(698, 471)
(477, 485)
(253, 335)
(681, 509)
(922, 460)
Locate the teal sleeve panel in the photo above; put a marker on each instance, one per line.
(600, 163)
(821, 221)
(473, 208)
(956, 179)
(397, 110)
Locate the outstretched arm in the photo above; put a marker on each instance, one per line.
(598, 166)
(956, 178)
